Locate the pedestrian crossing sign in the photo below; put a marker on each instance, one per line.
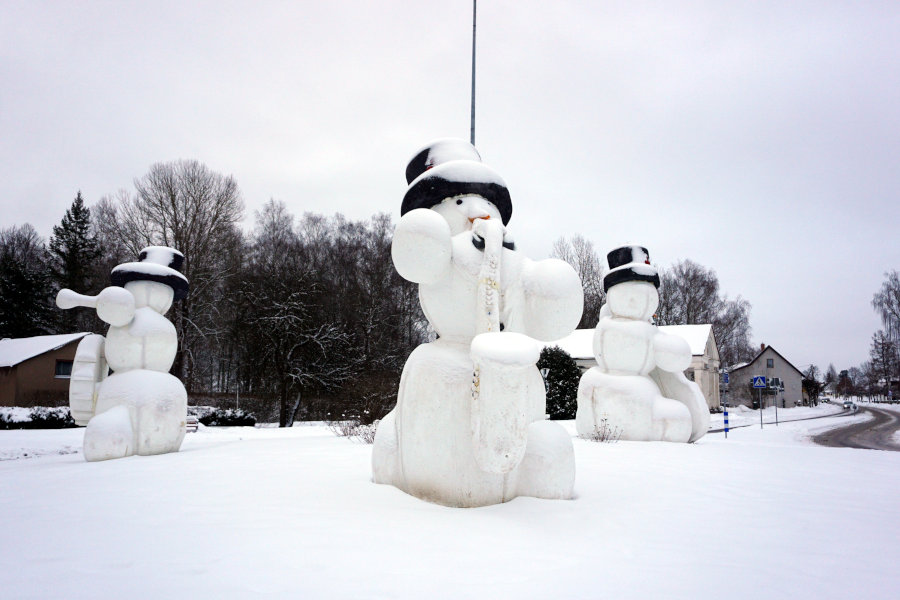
(759, 381)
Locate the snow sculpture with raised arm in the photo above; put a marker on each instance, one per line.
(638, 387)
(469, 426)
(140, 408)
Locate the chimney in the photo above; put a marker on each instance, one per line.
(762, 347)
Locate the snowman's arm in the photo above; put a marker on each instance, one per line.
(671, 352)
(554, 299)
(114, 304)
(421, 248)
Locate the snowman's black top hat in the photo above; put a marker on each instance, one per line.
(156, 263)
(458, 178)
(439, 152)
(629, 263)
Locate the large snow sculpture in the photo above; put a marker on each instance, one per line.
(468, 428)
(140, 408)
(638, 387)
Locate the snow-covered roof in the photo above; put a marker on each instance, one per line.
(695, 335)
(580, 343)
(15, 351)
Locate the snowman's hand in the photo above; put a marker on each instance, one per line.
(554, 298)
(671, 352)
(115, 305)
(484, 227)
(421, 248)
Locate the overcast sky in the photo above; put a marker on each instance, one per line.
(760, 139)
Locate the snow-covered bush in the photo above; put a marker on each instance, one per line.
(213, 416)
(36, 417)
(562, 382)
(354, 429)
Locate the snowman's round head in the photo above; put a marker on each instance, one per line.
(633, 300)
(157, 296)
(461, 211)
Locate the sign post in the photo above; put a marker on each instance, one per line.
(725, 401)
(759, 383)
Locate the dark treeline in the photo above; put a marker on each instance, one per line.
(302, 317)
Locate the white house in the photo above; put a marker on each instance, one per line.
(775, 368)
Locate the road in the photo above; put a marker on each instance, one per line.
(872, 434)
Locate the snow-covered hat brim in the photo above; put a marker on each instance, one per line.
(631, 272)
(458, 178)
(145, 271)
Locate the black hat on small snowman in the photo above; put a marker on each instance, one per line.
(629, 263)
(156, 263)
(450, 167)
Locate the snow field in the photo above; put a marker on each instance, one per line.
(276, 513)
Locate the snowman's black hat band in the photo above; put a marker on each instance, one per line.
(427, 191)
(120, 276)
(622, 275)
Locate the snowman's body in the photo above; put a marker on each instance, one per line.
(638, 389)
(141, 408)
(469, 428)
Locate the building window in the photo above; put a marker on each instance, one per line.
(770, 363)
(63, 369)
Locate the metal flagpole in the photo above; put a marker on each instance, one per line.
(472, 123)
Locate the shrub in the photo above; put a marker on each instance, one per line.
(354, 429)
(212, 416)
(37, 417)
(605, 433)
(562, 382)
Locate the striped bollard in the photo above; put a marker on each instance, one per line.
(726, 421)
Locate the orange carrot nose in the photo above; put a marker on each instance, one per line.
(485, 217)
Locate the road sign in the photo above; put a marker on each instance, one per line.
(725, 378)
(759, 381)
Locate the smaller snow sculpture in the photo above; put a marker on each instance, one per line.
(639, 386)
(469, 428)
(140, 408)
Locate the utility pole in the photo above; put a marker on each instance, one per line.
(472, 123)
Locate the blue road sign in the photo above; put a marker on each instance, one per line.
(759, 381)
(725, 378)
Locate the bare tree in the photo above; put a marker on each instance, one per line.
(887, 302)
(185, 205)
(883, 360)
(689, 294)
(582, 256)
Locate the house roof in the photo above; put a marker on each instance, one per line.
(580, 343)
(695, 335)
(760, 353)
(18, 350)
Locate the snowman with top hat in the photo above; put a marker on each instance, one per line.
(469, 426)
(140, 408)
(638, 387)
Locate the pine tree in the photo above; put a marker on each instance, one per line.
(562, 382)
(26, 296)
(75, 250)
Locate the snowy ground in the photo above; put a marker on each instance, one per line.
(269, 513)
